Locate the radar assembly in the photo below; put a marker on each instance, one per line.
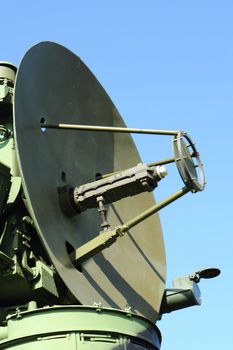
(82, 258)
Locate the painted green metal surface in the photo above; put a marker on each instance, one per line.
(53, 83)
(78, 327)
(49, 160)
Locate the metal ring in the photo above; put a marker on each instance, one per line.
(185, 162)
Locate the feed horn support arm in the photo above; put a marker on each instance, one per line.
(108, 129)
(106, 239)
(86, 196)
(183, 157)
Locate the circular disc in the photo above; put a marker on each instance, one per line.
(187, 161)
(53, 85)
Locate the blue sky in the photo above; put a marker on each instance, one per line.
(165, 64)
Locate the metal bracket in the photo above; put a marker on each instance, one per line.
(185, 291)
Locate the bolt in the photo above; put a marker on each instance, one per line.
(161, 171)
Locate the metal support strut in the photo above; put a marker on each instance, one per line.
(184, 155)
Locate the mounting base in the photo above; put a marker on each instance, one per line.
(81, 327)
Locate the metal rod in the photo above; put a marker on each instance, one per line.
(107, 238)
(162, 162)
(128, 225)
(108, 129)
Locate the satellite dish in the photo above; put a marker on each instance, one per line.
(53, 84)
